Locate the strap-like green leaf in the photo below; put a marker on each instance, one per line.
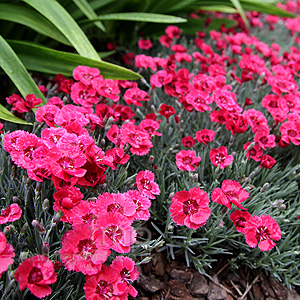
(221, 8)
(8, 116)
(139, 16)
(55, 13)
(29, 17)
(14, 68)
(45, 60)
(238, 6)
(88, 11)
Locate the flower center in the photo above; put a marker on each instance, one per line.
(187, 160)
(291, 132)
(114, 233)
(35, 275)
(86, 248)
(262, 233)
(146, 184)
(104, 289)
(115, 207)
(190, 207)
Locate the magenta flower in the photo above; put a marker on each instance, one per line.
(146, 185)
(6, 254)
(187, 160)
(220, 158)
(10, 213)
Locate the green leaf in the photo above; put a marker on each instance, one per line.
(55, 13)
(238, 6)
(221, 8)
(88, 11)
(14, 68)
(139, 16)
(8, 116)
(48, 61)
(30, 18)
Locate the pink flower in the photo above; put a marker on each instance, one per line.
(137, 138)
(240, 218)
(119, 157)
(107, 88)
(47, 114)
(135, 95)
(128, 273)
(85, 74)
(103, 285)
(190, 208)
(84, 95)
(141, 202)
(161, 78)
(255, 152)
(146, 185)
(21, 105)
(82, 252)
(220, 158)
(205, 135)
(36, 273)
(144, 44)
(166, 110)
(263, 230)
(199, 100)
(10, 213)
(173, 31)
(187, 160)
(6, 254)
(150, 126)
(230, 193)
(115, 232)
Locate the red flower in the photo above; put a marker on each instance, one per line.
(128, 273)
(81, 252)
(36, 273)
(173, 31)
(240, 218)
(255, 152)
(205, 135)
(267, 161)
(230, 193)
(161, 78)
(10, 213)
(166, 110)
(21, 105)
(220, 158)
(263, 230)
(150, 126)
(47, 114)
(6, 254)
(146, 185)
(188, 141)
(187, 160)
(190, 208)
(135, 95)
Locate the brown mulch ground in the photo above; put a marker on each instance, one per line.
(172, 280)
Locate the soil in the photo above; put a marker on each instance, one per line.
(162, 279)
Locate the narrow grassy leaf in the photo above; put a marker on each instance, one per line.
(14, 68)
(139, 16)
(29, 17)
(8, 116)
(88, 11)
(55, 13)
(46, 60)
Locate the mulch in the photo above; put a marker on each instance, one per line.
(162, 279)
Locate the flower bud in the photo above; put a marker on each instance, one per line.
(38, 186)
(16, 200)
(264, 187)
(57, 217)
(23, 256)
(109, 123)
(46, 205)
(45, 249)
(38, 227)
(24, 228)
(251, 146)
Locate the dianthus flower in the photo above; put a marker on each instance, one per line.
(220, 158)
(143, 61)
(141, 202)
(267, 161)
(231, 192)
(135, 95)
(173, 31)
(240, 218)
(290, 132)
(146, 185)
(255, 152)
(144, 44)
(205, 135)
(84, 95)
(85, 74)
(21, 105)
(115, 232)
(116, 203)
(166, 110)
(226, 100)
(128, 273)
(236, 123)
(262, 230)
(188, 141)
(199, 100)
(10, 213)
(103, 285)
(119, 157)
(264, 139)
(6, 254)
(137, 138)
(47, 114)
(81, 252)
(107, 88)
(150, 126)
(36, 273)
(161, 78)
(190, 208)
(187, 160)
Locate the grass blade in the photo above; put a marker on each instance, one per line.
(8, 116)
(239, 8)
